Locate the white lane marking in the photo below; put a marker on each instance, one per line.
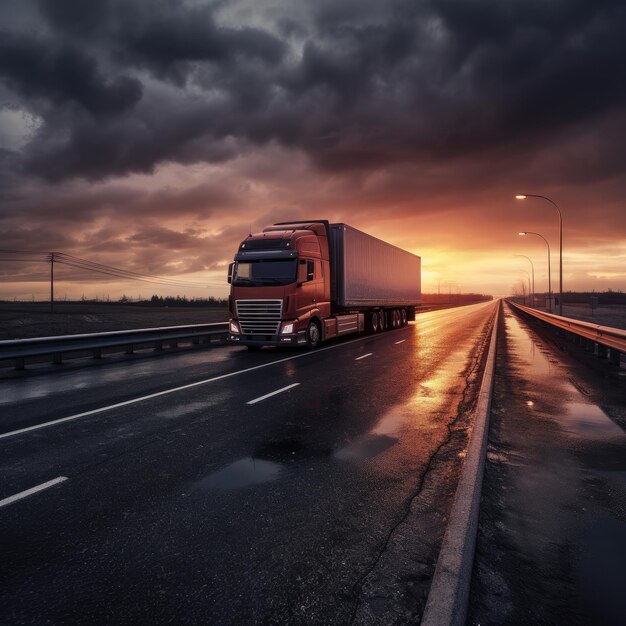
(175, 389)
(273, 393)
(32, 490)
(401, 341)
(363, 356)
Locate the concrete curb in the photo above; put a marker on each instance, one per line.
(449, 591)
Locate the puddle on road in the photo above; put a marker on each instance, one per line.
(590, 421)
(379, 438)
(243, 473)
(528, 349)
(578, 417)
(365, 447)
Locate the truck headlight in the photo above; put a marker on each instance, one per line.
(288, 328)
(234, 327)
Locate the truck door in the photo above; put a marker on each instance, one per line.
(323, 288)
(308, 288)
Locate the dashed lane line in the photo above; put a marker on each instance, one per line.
(273, 393)
(32, 490)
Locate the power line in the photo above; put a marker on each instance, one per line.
(94, 265)
(100, 268)
(168, 282)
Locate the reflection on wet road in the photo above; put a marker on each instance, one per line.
(248, 471)
(205, 505)
(577, 415)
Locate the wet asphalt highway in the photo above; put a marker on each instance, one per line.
(552, 541)
(268, 489)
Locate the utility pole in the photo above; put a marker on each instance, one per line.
(52, 282)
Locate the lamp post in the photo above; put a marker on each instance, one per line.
(529, 232)
(532, 294)
(523, 196)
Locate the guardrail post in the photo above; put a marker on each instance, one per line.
(20, 363)
(57, 358)
(158, 346)
(97, 353)
(130, 349)
(614, 357)
(196, 340)
(174, 343)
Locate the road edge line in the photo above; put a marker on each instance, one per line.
(448, 596)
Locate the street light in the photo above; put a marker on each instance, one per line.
(529, 232)
(523, 196)
(533, 274)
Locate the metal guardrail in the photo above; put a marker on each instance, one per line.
(603, 336)
(57, 347)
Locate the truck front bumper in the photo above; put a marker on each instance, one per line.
(294, 339)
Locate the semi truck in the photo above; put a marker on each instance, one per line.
(304, 282)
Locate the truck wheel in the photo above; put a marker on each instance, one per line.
(403, 317)
(313, 335)
(374, 323)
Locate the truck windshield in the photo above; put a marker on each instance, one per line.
(265, 272)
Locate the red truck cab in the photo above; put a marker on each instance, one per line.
(280, 286)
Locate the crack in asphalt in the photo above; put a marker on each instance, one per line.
(464, 405)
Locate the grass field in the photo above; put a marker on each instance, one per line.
(613, 315)
(21, 320)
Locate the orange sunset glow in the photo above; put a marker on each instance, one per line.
(166, 156)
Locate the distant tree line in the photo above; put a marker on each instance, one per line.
(164, 301)
(602, 298)
(454, 298)
(183, 301)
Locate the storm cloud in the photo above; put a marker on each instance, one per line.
(382, 101)
(121, 86)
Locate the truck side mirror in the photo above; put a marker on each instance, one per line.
(230, 272)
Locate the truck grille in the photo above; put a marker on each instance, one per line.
(259, 317)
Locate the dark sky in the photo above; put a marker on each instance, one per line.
(151, 134)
